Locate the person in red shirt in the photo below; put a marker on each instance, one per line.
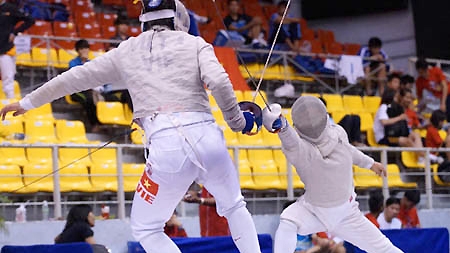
(408, 211)
(211, 224)
(406, 101)
(433, 138)
(432, 87)
(174, 228)
(376, 201)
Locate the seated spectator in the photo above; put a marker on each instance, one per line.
(290, 34)
(406, 101)
(408, 211)
(390, 125)
(393, 81)
(211, 224)
(78, 226)
(174, 228)
(88, 99)
(433, 138)
(388, 218)
(376, 66)
(117, 92)
(376, 200)
(407, 81)
(249, 27)
(59, 12)
(38, 10)
(432, 88)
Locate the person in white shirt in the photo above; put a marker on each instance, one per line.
(324, 159)
(388, 218)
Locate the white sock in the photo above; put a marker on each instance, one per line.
(285, 237)
(159, 242)
(243, 231)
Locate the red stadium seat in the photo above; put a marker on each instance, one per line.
(134, 31)
(85, 17)
(108, 31)
(352, 48)
(65, 29)
(325, 36)
(308, 34)
(334, 48)
(106, 19)
(133, 10)
(114, 2)
(42, 28)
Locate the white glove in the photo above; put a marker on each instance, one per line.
(273, 121)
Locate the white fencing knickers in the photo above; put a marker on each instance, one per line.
(345, 221)
(8, 69)
(172, 165)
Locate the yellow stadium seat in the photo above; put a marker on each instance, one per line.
(371, 103)
(64, 57)
(71, 131)
(231, 138)
(69, 100)
(443, 134)
(409, 159)
(24, 59)
(78, 156)
(43, 112)
(212, 102)
(138, 135)
(10, 178)
(243, 158)
(248, 96)
(317, 95)
(132, 173)
(436, 177)
(353, 104)
(366, 121)
(104, 156)
(338, 116)
(394, 178)
(281, 161)
(273, 73)
(265, 170)
(104, 177)
(42, 156)
(253, 140)
(254, 69)
(75, 178)
(13, 155)
(239, 95)
(9, 128)
(112, 113)
(217, 113)
(334, 102)
(365, 178)
(40, 131)
(43, 57)
(17, 92)
(270, 138)
(421, 132)
(245, 177)
(33, 172)
(371, 139)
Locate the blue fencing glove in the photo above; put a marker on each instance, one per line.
(253, 115)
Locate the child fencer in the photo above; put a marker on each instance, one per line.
(165, 70)
(323, 158)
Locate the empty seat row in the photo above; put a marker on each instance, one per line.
(349, 103)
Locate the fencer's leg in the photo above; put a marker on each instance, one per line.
(295, 219)
(159, 242)
(358, 230)
(8, 69)
(285, 237)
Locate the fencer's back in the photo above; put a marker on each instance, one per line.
(162, 72)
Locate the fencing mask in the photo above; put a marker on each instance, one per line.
(171, 13)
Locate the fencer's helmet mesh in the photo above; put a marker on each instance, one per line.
(171, 13)
(309, 116)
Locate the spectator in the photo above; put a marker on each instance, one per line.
(376, 200)
(375, 66)
(408, 211)
(432, 88)
(211, 224)
(290, 34)
(89, 98)
(250, 28)
(10, 16)
(78, 226)
(406, 101)
(174, 228)
(117, 91)
(390, 125)
(393, 81)
(407, 81)
(433, 138)
(388, 218)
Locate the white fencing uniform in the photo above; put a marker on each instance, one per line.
(323, 158)
(165, 72)
(8, 70)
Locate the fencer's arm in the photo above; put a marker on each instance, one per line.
(99, 71)
(359, 158)
(216, 79)
(292, 145)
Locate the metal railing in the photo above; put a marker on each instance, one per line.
(290, 189)
(443, 64)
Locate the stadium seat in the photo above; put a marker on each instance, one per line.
(77, 156)
(351, 48)
(231, 137)
(42, 28)
(75, 178)
(334, 48)
(133, 10)
(227, 57)
(33, 172)
(325, 36)
(247, 140)
(265, 170)
(64, 57)
(281, 161)
(365, 178)
(104, 177)
(40, 131)
(334, 102)
(409, 159)
(308, 34)
(13, 155)
(395, 180)
(436, 177)
(443, 134)
(10, 178)
(17, 93)
(337, 116)
(71, 131)
(137, 136)
(132, 173)
(10, 127)
(317, 95)
(366, 121)
(106, 19)
(134, 31)
(64, 29)
(371, 103)
(245, 177)
(352, 104)
(113, 2)
(371, 138)
(111, 113)
(40, 156)
(85, 17)
(239, 95)
(248, 96)
(43, 112)
(24, 59)
(270, 138)
(108, 31)
(254, 69)
(104, 156)
(43, 57)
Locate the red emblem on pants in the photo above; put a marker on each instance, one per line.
(147, 189)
